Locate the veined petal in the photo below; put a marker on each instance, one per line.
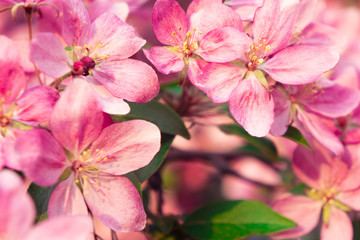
(338, 227)
(49, 55)
(165, 60)
(282, 113)
(274, 23)
(76, 26)
(118, 39)
(37, 104)
(169, 18)
(304, 211)
(41, 157)
(223, 45)
(116, 203)
(62, 227)
(127, 146)
(77, 117)
(252, 106)
(219, 80)
(128, 79)
(121, 9)
(350, 198)
(300, 64)
(67, 199)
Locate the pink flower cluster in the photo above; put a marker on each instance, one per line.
(276, 63)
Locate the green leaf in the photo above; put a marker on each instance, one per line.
(67, 48)
(227, 220)
(161, 115)
(145, 172)
(260, 76)
(264, 145)
(295, 135)
(41, 197)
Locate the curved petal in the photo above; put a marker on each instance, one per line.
(338, 227)
(76, 23)
(62, 227)
(169, 22)
(165, 60)
(49, 55)
(128, 79)
(219, 80)
(282, 113)
(274, 23)
(304, 211)
(350, 198)
(37, 104)
(41, 157)
(95, 9)
(223, 45)
(67, 199)
(300, 64)
(17, 208)
(252, 106)
(77, 117)
(118, 39)
(116, 203)
(127, 146)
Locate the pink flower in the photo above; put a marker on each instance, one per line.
(99, 51)
(208, 29)
(18, 215)
(243, 83)
(97, 155)
(335, 189)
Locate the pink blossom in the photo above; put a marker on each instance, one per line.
(98, 154)
(100, 51)
(18, 214)
(335, 189)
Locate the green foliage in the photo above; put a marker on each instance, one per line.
(161, 115)
(228, 220)
(295, 135)
(41, 197)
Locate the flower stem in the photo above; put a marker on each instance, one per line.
(58, 81)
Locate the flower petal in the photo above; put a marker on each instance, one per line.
(252, 106)
(77, 117)
(118, 39)
(49, 55)
(300, 64)
(128, 79)
(116, 203)
(282, 113)
(165, 60)
(127, 146)
(95, 9)
(67, 199)
(338, 227)
(169, 18)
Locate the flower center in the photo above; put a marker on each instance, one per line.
(257, 54)
(189, 45)
(83, 66)
(327, 195)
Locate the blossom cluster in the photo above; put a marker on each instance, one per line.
(75, 73)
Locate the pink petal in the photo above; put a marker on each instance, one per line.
(127, 146)
(67, 199)
(219, 80)
(128, 79)
(17, 208)
(63, 227)
(109, 103)
(169, 17)
(282, 112)
(300, 64)
(252, 106)
(77, 117)
(223, 45)
(316, 126)
(350, 198)
(116, 203)
(274, 22)
(7, 153)
(41, 157)
(338, 227)
(49, 55)
(195, 68)
(302, 210)
(36, 104)
(165, 60)
(76, 26)
(334, 101)
(119, 40)
(95, 9)
(214, 15)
